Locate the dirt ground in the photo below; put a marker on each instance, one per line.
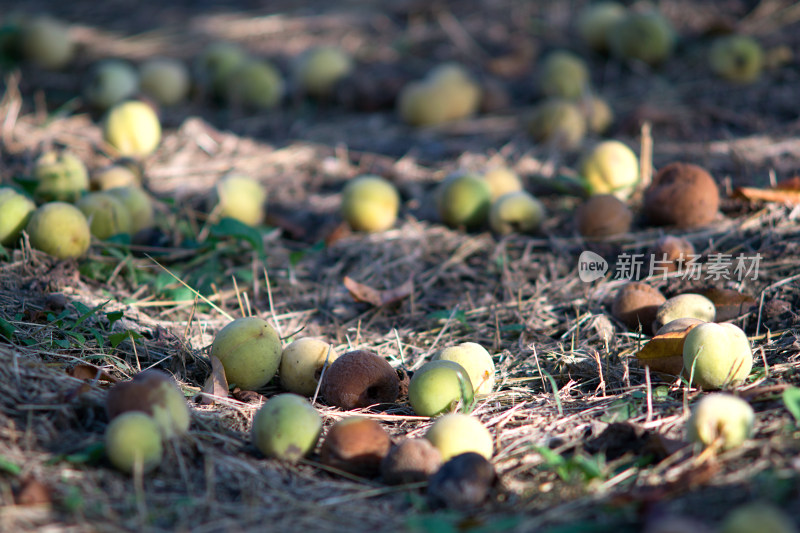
(585, 438)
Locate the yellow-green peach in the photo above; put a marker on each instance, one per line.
(423, 104)
(476, 361)
(47, 43)
(457, 433)
(110, 82)
(113, 176)
(317, 70)
(563, 75)
(241, 197)
(165, 80)
(685, 306)
(463, 199)
(370, 203)
(302, 362)
(596, 20)
(599, 115)
(720, 420)
(256, 84)
(61, 176)
(249, 350)
(215, 65)
(59, 229)
(610, 168)
(736, 58)
(132, 128)
(647, 37)
(438, 386)
(516, 212)
(287, 427)
(107, 215)
(716, 356)
(758, 516)
(460, 92)
(139, 206)
(133, 439)
(502, 180)
(558, 122)
(15, 211)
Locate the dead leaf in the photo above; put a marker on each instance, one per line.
(664, 353)
(789, 184)
(216, 384)
(89, 372)
(378, 298)
(729, 303)
(33, 492)
(248, 396)
(781, 196)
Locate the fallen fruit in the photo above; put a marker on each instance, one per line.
(636, 304)
(678, 325)
(720, 420)
(758, 516)
(603, 215)
(360, 379)
(682, 195)
(457, 433)
(563, 75)
(215, 65)
(133, 440)
(685, 306)
(61, 177)
(596, 20)
(286, 427)
(463, 200)
(302, 362)
(502, 180)
(106, 213)
(156, 394)
(59, 229)
(370, 203)
(463, 94)
(439, 386)
(132, 128)
(646, 37)
(316, 71)
(412, 461)
(47, 43)
(256, 84)
(249, 350)
(476, 361)
(671, 254)
(356, 445)
(599, 115)
(463, 482)
(165, 80)
(110, 82)
(15, 211)
(422, 104)
(736, 58)
(114, 176)
(610, 168)
(138, 204)
(516, 212)
(716, 356)
(558, 122)
(240, 197)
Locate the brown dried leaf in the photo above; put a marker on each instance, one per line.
(729, 303)
(782, 196)
(248, 396)
(89, 372)
(378, 298)
(789, 184)
(216, 384)
(664, 353)
(33, 492)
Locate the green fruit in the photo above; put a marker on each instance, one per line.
(302, 362)
(370, 203)
(15, 211)
(458, 433)
(242, 198)
(476, 361)
(255, 84)
(610, 168)
(737, 58)
(138, 204)
(564, 75)
(59, 229)
(646, 37)
(685, 306)
(132, 128)
(61, 177)
(217, 63)
(286, 427)
(502, 180)
(165, 80)
(599, 115)
(716, 355)
(721, 420)
(423, 104)
(110, 82)
(758, 516)
(114, 176)
(106, 214)
(133, 438)
(463, 199)
(47, 43)
(459, 91)
(596, 20)
(558, 122)
(156, 394)
(438, 386)
(317, 70)
(249, 350)
(516, 212)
